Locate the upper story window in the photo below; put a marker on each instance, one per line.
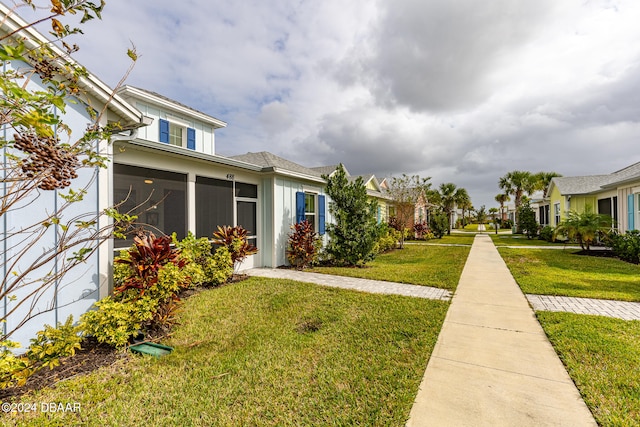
(175, 133)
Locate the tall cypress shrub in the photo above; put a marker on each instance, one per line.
(354, 231)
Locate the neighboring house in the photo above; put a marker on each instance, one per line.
(616, 195)
(375, 191)
(541, 207)
(87, 283)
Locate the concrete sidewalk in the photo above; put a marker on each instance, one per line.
(492, 364)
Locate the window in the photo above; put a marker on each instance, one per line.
(159, 198)
(311, 206)
(173, 133)
(310, 209)
(556, 213)
(630, 212)
(214, 205)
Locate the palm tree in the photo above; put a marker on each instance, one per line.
(544, 180)
(502, 199)
(494, 218)
(449, 198)
(463, 201)
(518, 183)
(584, 226)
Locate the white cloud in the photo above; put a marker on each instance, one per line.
(462, 91)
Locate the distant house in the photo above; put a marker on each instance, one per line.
(375, 191)
(377, 194)
(616, 194)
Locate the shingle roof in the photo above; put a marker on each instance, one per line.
(630, 172)
(266, 160)
(325, 170)
(593, 183)
(580, 184)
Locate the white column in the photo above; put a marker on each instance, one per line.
(191, 202)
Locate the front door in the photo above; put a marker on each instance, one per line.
(248, 219)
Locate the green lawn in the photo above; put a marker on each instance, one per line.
(453, 239)
(602, 356)
(561, 272)
(437, 266)
(266, 352)
(521, 240)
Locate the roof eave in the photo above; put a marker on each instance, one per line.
(185, 152)
(146, 96)
(97, 88)
(293, 174)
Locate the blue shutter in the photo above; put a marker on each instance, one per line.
(191, 139)
(299, 206)
(321, 215)
(379, 215)
(630, 211)
(164, 131)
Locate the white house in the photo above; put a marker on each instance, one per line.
(164, 166)
(171, 167)
(27, 305)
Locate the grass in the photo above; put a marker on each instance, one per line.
(453, 239)
(521, 240)
(562, 272)
(602, 356)
(437, 266)
(266, 352)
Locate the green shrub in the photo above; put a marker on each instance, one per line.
(114, 322)
(354, 231)
(202, 266)
(148, 293)
(304, 245)
(506, 224)
(121, 271)
(388, 239)
(51, 344)
(144, 259)
(439, 224)
(527, 218)
(546, 233)
(219, 268)
(14, 370)
(625, 246)
(235, 240)
(46, 350)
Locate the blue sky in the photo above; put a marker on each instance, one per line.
(461, 91)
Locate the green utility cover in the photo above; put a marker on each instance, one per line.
(153, 349)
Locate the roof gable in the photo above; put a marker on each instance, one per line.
(169, 104)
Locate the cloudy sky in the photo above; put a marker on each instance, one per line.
(462, 91)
